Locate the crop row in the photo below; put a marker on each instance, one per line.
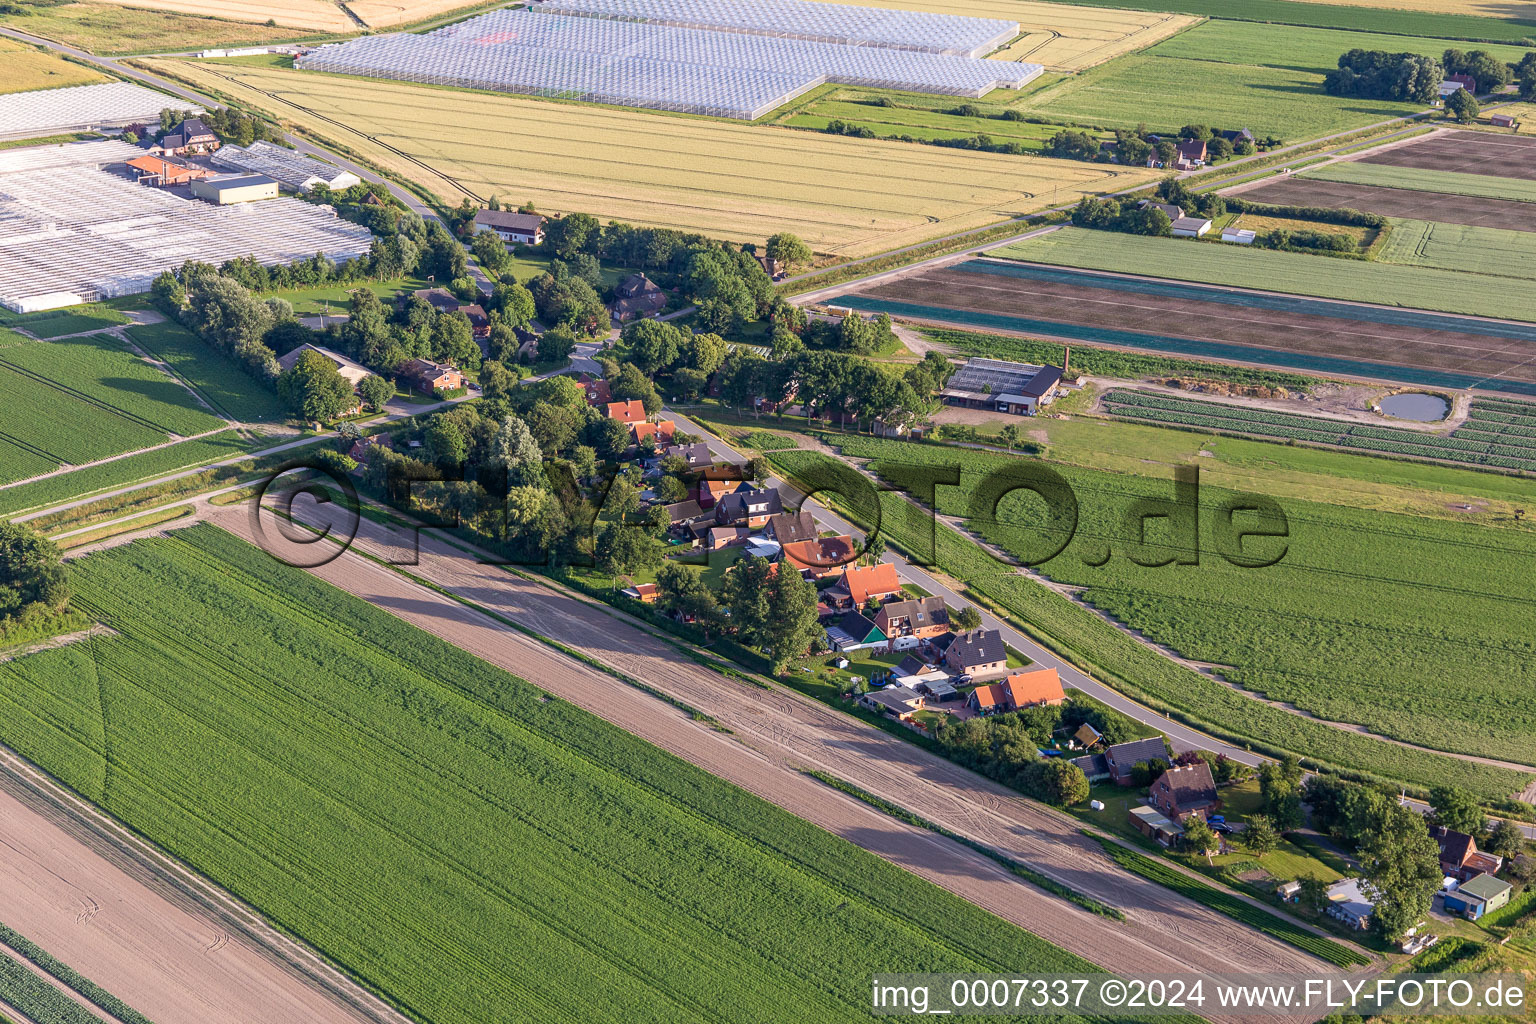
(39, 1000)
(66, 428)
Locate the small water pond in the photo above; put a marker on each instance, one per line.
(1415, 405)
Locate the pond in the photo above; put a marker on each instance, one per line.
(1415, 405)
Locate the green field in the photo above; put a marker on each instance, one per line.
(1481, 186)
(1272, 270)
(226, 386)
(1167, 92)
(1493, 251)
(55, 324)
(1380, 19)
(924, 119)
(41, 1001)
(1302, 49)
(1365, 619)
(469, 848)
(338, 298)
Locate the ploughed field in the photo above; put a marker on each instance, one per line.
(459, 841)
(1502, 156)
(1397, 202)
(1274, 330)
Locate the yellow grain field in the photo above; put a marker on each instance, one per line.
(736, 181)
(314, 15)
(23, 69)
(383, 13)
(1504, 10)
(1063, 37)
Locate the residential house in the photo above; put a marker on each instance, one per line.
(821, 557)
(637, 296)
(1447, 87)
(979, 653)
(1466, 81)
(352, 372)
(1155, 825)
(520, 228)
(750, 509)
(682, 512)
(900, 701)
(1477, 896)
(860, 585)
(1124, 757)
(1173, 212)
(1348, 902)
(159, 172)
(363, 448)
(1236, 135)
(1459, 856)
(791, 527)
(711, 488)
(661, 432)
(630, 412)
(1185, 791)
(726, 536)
(479, 323)
(772, 267)
(1019, 690)
(854, 632)
(696, 455)
(596, 389)
(429, 377)
(918, 619)
(645, 593)
(1094, 766)
(1191, 227)
(1191, 154)
(440, 299)
(191, 136)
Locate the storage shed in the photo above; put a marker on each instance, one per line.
(226, 189)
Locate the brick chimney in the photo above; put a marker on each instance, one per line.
(1066, 360)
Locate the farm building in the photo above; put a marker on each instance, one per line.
(1242, 236)
(297, 172)
(158, 171)
(76, 232)
(428, 377)
(1503, 121)
(226, 189)
(1478, 896)
(25, 115)
(1154, 825)
(1191, 227)
(1018, 388)
(637, 295)
(1185, 792)
(1348, 902)
(353, 372)
(522, 228)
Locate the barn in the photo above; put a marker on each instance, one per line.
(1020, 389)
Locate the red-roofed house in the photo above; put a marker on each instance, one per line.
(859, 585)
(709, 491)
(596, 389)
(632, 411)
(1020, 690)
(822, 557)
(645, 593)
(662, 433)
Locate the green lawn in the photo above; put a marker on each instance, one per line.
(218, 378)
(55, 324)
(1481, 186)
(1270, 269)
(1314, 50)
(1167, 92)
(338, 298)
(462, 844)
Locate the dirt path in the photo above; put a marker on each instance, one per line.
(54, 641)
(775, 733)
(131, 927)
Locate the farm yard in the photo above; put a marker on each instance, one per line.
(842, 195)
(1458, 151)
(1479, 186)
(84, 399)
(1395, 202)
(314, 15)
(1269, 269)
(23, 68)
(339, 783)
(1234, 621)
(107, 29)
(1498, 434)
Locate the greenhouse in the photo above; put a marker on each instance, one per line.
(77, 107)
(72, 231)
(295, 170)
(626, 63)
(818, 22)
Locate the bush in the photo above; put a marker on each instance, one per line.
(1320, 214)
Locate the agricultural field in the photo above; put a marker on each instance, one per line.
(225, 386)
(919, 120)
(1270, 269)
(461, 843)
(1302, 49)
(313, 15)
(386, 13)
(1477, 186)
(1158, 92)
(24, 68)
(842, 195)
(1456, 150)
(84, 399)
(1493, 20)
(1498, 434)
(106, 29)
(1440, 207)
(1363, 620)
(1461, 247)
(57, 323)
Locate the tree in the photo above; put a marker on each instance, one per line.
(568, 235)
(684, 592)
(1058, 782)
(1462, 105)
(1198, 836)
(444, 443)
(624, 550)
(32, 573)
(1401, 867)
(376, 391)
(1506, 840)
(609, 438)
(315, 389)
(556, 345)
(1456, 809)
(1313, 893)
(653, 345)
(670, 490)
(792, 625)
(788, 249)
(967, 618)
(1280, 793)
(490, 250)
(1261, 836)
(1012, 436)
(745, 593)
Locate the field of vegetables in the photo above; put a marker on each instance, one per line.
(1421, 179)
(1497, 434)
(1478, 250)
(457, 840)
(216, 377)
(1363, 620)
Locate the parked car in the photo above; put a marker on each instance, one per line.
(1217, 819)
(1221, 827)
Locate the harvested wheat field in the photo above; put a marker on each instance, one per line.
(316, 15)
(727, 179)
(23, 68)
(382, 13)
